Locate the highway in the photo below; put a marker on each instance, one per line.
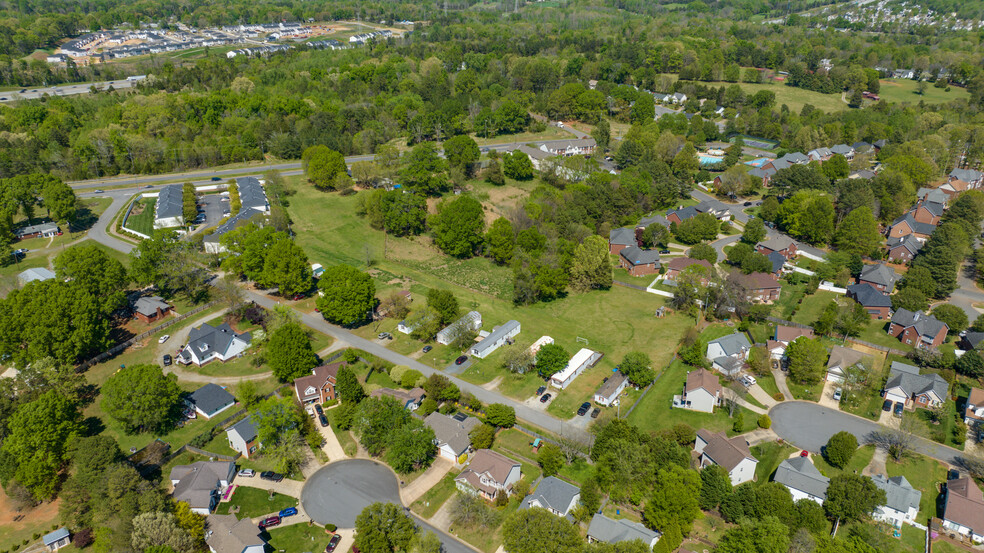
(64, 90)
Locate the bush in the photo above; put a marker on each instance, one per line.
(739, 424)
(840, 448)
(764, 421)
(331, 527)
(36, 536)
(778, 396)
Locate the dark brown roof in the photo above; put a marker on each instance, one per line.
(789, 333)
(702, 378)
(681, 263)
(725, 452)
(758, 281)
(318, 377)
(965, 504)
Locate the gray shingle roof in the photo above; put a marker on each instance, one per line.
(935, 209)
(226, 534)
(912, 383)
(868, 296)
(245, 216)
(780, 164)
(199, 481)
(638, 256)
(732, 343)
(449, 431)
(251, 193)
(608, 530)
(41, 227)
(973, 339)
(646, 221)
(553, 493)
(842, 149)
(932, 195)
(909, 242)
(622, 237)
(212, 338)
(761, 173)
(211, 398)
(899, 494)
(966, 175)
(777, 243)
(246, 429)
(880, 274)
(916, 226)
(148, 305)
(925, 325)
(796, 157)
(685, 213)
(169, 202)
(799, 473)
(778, 260)
(612, 384)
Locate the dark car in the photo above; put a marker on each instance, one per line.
(899, 407)
(167, 360)
(216, 179)
(318, 409)
(288, 512)
(271, 476)
(269, 521)
(887, 406)
(595, 412)
(323, 420)
(540, 390)
(545, 398)
(664, 252)
(461, 360)
(583, 408)
(748, 204)
(428, 348)
(149, 186)
(333, 543)
(952, 474)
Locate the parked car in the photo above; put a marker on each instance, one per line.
(384, 336)
(899, 407)
(545, 398)
(583, 409)
(163, 338)
(271, 476)
(149, 186)
(746, 204)
(323, 420)
(269, 521)
(887, 406)
(318, 409)
(333, 543)
(461, 360)
(837, 394)
(804, 453)
(298, 297)
(247, 473)
(664, 252)
(540, 390)
(21, 251)
(288, 512)
(167, 360)
(595, 412)
(428, 348)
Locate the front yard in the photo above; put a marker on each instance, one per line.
(254, 502)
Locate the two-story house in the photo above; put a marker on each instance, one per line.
(974, 413)
(731, 454)
(907, 225)
(918, 329)
(243, 437)
(963, 508)
(677, 265)
(759, 287)
(701, 392)
(876, 303)
(802, 479)
(199, 484)
(488, 474)
(905, 385)
(209, 343)
(227, 534)
(451, 434)
(901, 500)
(319, 386)
(882, 277)
(728, 353)
(903, 249)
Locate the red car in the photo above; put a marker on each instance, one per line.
(330, 548)
(804, 453)
(298, 297)
(269, 521)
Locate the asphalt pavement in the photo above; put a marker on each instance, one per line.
(64, 90)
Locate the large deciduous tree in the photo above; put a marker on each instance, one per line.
(501, 241)
(858, 233)
(347, 295)
(425, 171)
(384, 528)
(539, 531)
(851, 497)
(445, 304)
(461, 151)
(289, 352)
(807, 360)
(840, 448)
(638, 368)
(551, 358)
(591, 266)
(142, 398)
(459, 226)
(322, 166)
(100, 275)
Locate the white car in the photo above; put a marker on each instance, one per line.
(247, 473)
(750, 379)
(163, 338)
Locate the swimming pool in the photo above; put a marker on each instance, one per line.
(709, 160)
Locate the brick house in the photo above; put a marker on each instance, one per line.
(676, 266)
(883, 278)
(918, 329)
(639, 262)
(761, 287)
(902, 250)
(907, 225)
(319, 386)
(151, 308)
(621, 238)
(875, 302)
(927, 212)
(905, 385)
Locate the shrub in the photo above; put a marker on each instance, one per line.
(36, 536)
(840, 448)
(764, 421)
(739, 424)
(331, 527)
(778, 396)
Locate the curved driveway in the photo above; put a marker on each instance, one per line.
(809, 426)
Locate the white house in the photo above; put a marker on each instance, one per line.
(702, 392)
(451, 434)
(227, 534)
(169, 209)
(554, 495)
(732, 454)
(802, 479)
(471, 322)
(497, 338)
(974, 414)
(208, 343)
(901, 500)
(243, 437)
(489, 473)
(582, 360)
(963, 510)
(609, 391)
(728, 353)
(210, 400)
(604, 529)
(198, 484)
(841, 359)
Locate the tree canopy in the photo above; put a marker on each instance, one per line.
(346, 295)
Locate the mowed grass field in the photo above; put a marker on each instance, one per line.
(904, 90)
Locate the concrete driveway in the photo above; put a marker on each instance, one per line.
(827, 395)
(427, 480)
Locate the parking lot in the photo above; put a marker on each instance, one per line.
(216, 207)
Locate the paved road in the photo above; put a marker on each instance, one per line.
(968, 293)
(98, 231)
(720, 244)
(64, 90)
(809, 426)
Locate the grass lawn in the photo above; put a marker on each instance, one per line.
(924, 474)
(708, 527)
(914, 539)
(809, 393)
(762, 332)
(578, 471)
(621, 275)
(940, 546)
(254, 502)
(299, 538)
(876, 333)
(770, 455)
(904, 90)
(788, 300)
(768, 384)
(858, 461)
(941, 432)
(38, 520)
(795, 98)
(812, 306)
(582, 389)
(141, 218)
(431, 501)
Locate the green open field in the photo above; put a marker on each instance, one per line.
(813, 305)
(904, 90)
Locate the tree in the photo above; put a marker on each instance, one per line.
(858, 233)
(285, 267)
(952, 316)
(715, 486)
(655, 235)
(539, 531)
(840, 448)
(550, 459)
(347, 295)
(92, 269)
(439, 387)
(685, 163)
(275, 418)
(739, 252)
(461, 152)
(347, 386)
(910, 298)
(189, 201)
(703, 251)
(375, 421)
(517, 165)
(756, 262)
(501, 241)
(970, 364)
(701, 228)
(851, 497)
(638, 368)
(978, 325)
(322, 166)
(551, 358)
(591, 266)
(459, 226)
(482, 436)
(501, 416)
(384, 528)
(425, 170)
(246, 393)
(643, 110)
(494, 174)
(766, 535)
(160, 530)
(445, 304)
(142, 398)
(36, 445)
(807, 360)
(754, 231)
(675, 501)
(410, 447)
(289, 352)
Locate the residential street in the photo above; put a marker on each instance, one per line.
(967, 294)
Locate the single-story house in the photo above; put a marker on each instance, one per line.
(621, 238)
(554, 495)
(169, 208)
(841, 359)
(209, 343)
(974, 414)
(901, 500)
(57, 539)
(489, 473)
(875, 302)
(903, 249)
(45, 230)
(409, 399)
(252, 195)
(609, 391)
(607, 530)
(639, 262)
(905, 385)
(319, 386)
(568, 148)
(583, 359)
(677, 265)
(963, 508)
(227, 534)
(728, 353)
(802, 479)
(760, 287)
(471, 322)
(918, 329)
(786, 334)
(243, 437)
(907, 225)
(210, 400)
(451, 435)
(499, 337)
(151, 308)
(213, 242)
(198, 484)
(880, 276)
(781, 245)
(731, 454)
(701, 392)
(34, 274)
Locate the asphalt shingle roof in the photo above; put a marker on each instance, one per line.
(169, 202)
(251, 193)
(245, 215)
(925, 325)
(899, 494)
(916, 226)
(732, 343)
(608, 530)
(449, 431)
(800, 474)
(638, 256)
(622, 237)
(879, 274)
(966, 175)
(909, 242)
(553, 493)
(212, 338)
(868, 296)
(246, 429)
(912, 383)
(210, 398)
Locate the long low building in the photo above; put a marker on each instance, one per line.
(582, 360)
(169, 209)
(496, 339)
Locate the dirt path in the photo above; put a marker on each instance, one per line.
(492, 384)
(426, 481)
(877, 464)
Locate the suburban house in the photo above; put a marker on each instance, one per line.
(208, 343)
(451, 434)
(568, 148)
(843, 150)
(781, 245)
(731, 454)
(880, 276)
(409, 399)
(764, 173)
(319, 386)
(964, 179)
(728, 353)
(875, 302)
(34, 274)
(213, 242)
(471, 322)
(782, 337)
(905, 385)
(927, 212)
(169, 209)
(499, 337)
(677, 265)
(974, 414)
(901, 500)
(963, 508)
(841, 359)
(583, 359)
(210, 400)
(971, 340)
(802, 479)
(919, 329)
(652, 220)
(151, 308)
(554, 495)
(251, 194)
(609, 391)
(907, 225)
(243, 437)
(681, 214)
(607, 530)
(45, 230)
(57, 539)
(932, 195)
(760, 287)
(489, 473)
(701, 392)
(621, 238)
(198, 484)
(778, 261)
(820, 154)
(903, 249)
(639, 262)
(227, 534)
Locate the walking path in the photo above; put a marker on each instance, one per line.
(426, 481)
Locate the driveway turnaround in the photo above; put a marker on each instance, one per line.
(337, 493)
